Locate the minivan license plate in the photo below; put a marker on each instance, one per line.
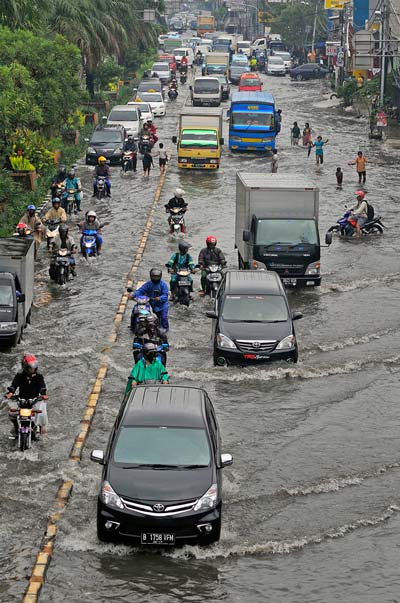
(152, 538)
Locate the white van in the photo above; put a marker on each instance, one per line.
(244, 47)
(206, 91)
(128, 116)
(183, 52)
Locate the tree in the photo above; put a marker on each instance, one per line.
(295, 23)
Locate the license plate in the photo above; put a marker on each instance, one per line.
(184, 282)
(289, 281)
(151, 538)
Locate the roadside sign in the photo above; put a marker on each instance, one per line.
(331, 49)
(340, 57)
(335, 4)
(381, 119)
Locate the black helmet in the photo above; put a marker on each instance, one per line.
(56, 200)
(155, 275)
(184, 247)
(149, 350)
(62, 169)
(63, 230)
(71, 174)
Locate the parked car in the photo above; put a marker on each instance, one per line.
(162, 475)
(145, 110)
(252, 319)
(309, 71)
(156, 102)
(107, 141)
(286, 56)
(127, 116)
(225, 85)
(162, 71)
(275, 66)
(250, 82)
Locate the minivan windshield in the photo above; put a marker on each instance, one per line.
(120, 116)
(6, 296)
(175, 446)
(106, 136)
(255, 308)
(206, 86)
(286, 232)
(160, 67)
(152, 98)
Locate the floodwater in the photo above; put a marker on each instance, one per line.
(311, 504)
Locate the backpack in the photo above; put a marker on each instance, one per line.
(370, 211)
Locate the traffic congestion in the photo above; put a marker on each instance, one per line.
(244, 444)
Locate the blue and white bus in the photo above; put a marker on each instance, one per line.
(253, 122)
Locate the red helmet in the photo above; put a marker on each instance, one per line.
(29, 363)
(360, 194)
(211, 241)
(21, 225)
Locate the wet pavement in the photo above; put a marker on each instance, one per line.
(311, 504)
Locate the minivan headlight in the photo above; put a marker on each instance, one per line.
(118, 151)
(109, 497)
(224, 342)
(208, 500)
(313, 268)
(287, 344)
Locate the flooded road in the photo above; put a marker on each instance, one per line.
(311, 504)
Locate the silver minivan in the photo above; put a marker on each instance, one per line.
(162, 71)
(206, 91)
(128, 116)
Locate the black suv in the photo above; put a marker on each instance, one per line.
(107, 141)
(162, 476)
(253, 321)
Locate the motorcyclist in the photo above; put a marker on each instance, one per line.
(152, 130)
(34, 223)
(149, 331)
(131, 146)
(62, 241)
(211, 254)
(148, 368)
(58, 179)
(199, 57)
(173, 85)
(359, 213)
(253, 63)
(102, 169)
(184, 64)
(72, 182)
(23, 231)
(178, 261)
(177, 200)
(91, 222)
(157, 290)
(29, 384)
(56, 212)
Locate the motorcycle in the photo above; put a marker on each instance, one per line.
(51, 231)
(70, 201)
(61, 269)
(183, 78)
(346, 226)
(101, 187)
(172, 94)
(145, 144)
(129, 161)
(162, 349)
(26, 424)
(89, 243)
(176, 219)
(214, 278)
(183, 69)
(142, 305)
(183, 286)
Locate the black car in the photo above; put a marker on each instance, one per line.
(162, 473)
(253, 321)
(107, 141)
(309, 71)
(236, 70)
(225, 85)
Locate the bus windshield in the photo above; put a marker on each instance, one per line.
(249, 118)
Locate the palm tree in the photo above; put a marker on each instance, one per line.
(23, 14)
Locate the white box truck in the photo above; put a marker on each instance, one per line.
(277, 226)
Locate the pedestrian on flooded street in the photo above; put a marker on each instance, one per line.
(360, 163)
(319, 150)
(162, 158)
(339, 177)
(295, 134)
(147, 163)
(307, 131)
(274, 162)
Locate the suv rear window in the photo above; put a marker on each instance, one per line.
(106, 136)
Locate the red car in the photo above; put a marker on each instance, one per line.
(170, 59)
(250, 82)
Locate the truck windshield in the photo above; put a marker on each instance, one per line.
(251, 119)
(6, 296)
(206, 87)
(286, 232)
(205, 139)
(255, 308)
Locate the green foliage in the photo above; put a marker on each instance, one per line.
(347, 91)
(295, 22)
(107, 72)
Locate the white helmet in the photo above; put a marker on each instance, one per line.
(179, 192)
(91, 214)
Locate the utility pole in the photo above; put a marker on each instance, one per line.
(384, 33)
(341, 29)
(314, 26)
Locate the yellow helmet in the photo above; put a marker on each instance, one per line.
(101, 159)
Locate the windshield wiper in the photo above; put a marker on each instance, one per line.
(149, 466)
(192, 466)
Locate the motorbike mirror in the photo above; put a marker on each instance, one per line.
(129, 289)
(174, 139)
(328, 238)
(97, 456)
(21, 298)
(296, 315)
(211, 314)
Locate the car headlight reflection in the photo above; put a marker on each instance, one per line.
(224, 342)
(109, 497)
(287, 344)
(208, 500)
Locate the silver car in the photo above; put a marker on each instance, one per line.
(162, 71)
